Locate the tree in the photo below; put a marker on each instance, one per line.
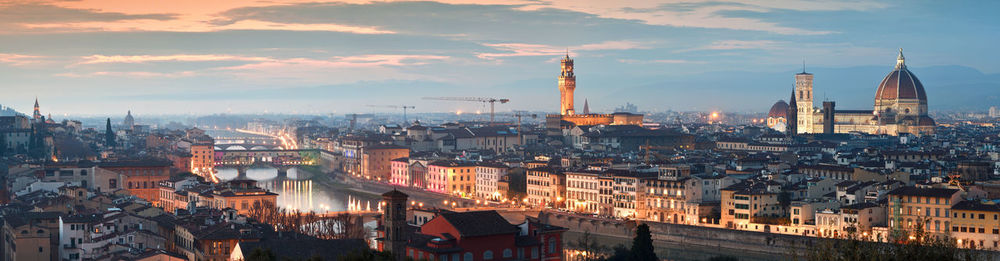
(620, 253)
(914, 244)
(3, 145)
(785, 199)
(642, 245)
(369, 255)
(260, 254)
(36, 143)
(109, 135)
(589, 245)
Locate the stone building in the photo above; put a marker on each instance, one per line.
(900, 107)
(567, 118)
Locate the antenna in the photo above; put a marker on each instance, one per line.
(803, 65)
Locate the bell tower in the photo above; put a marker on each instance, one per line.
(38, 114)
(567, 84)
(394, 223)
(804, 99)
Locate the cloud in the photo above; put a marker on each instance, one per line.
(704, 13)
(99, 59)
(21, 59)
(737, 45)
(129, 74)
(160, 26)
(21, 16)
(359, 61)
(269, 68)
(525, 49)
(662, 61)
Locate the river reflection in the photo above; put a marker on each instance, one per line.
(298, 191)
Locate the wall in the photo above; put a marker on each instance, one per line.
(760, 242)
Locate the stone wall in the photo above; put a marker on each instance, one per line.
(758, 242)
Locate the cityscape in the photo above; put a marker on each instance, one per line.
(454, 130)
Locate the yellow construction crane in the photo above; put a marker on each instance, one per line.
(492, 101)
(404, 107)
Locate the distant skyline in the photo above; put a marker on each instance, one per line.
(104, 57)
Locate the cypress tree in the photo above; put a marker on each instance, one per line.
(3, 145)
(642, 245)
(32, 143)
(109, 135)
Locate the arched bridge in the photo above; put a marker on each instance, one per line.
(246, 146)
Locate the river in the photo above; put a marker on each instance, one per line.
(302, 190)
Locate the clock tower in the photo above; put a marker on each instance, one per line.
(567, 84)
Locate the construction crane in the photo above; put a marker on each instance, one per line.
(404, 107)
(519, 114)
(492, 101)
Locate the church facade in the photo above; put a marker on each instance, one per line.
(900, 107)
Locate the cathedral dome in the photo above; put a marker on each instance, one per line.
(778, 110)
(900, 84)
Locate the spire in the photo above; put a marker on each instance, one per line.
(803, 65)
(792, 116)
(567, 52)
(38, 114)
(586, 107)
(900, 60)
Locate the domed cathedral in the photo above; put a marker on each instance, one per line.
(900, 107)
(901, 100)
(567, 118)
(777, 118)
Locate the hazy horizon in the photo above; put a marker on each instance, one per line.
(99, 57)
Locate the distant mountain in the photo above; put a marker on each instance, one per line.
(8, 111)
(948, 88)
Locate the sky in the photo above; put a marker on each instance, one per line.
(95, 57)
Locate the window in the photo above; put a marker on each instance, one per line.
(468, 256)
(552, 245)
(507, 253)
(488, 255)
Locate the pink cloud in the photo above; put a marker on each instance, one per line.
(131, 74)
(376, 60)
(99, 59)
(21, 59)
(196, 26)
(524, 49)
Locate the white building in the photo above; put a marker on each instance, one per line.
(583, 191)
(487, 175)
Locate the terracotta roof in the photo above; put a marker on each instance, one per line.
(923, 192)
(479, 223)
(976, 206)
(779, 109)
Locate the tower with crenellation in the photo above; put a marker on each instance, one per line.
(567, 84)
